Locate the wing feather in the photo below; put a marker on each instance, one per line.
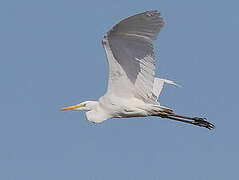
(129, 49)
(158, 86)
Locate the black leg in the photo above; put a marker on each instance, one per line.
(194, 120)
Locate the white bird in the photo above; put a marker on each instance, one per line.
(133, 89)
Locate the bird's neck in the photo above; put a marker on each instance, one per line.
(97, 114)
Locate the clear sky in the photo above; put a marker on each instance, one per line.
(51, 56)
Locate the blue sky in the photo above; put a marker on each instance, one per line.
(51, 56)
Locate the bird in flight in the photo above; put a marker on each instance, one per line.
(133, 90)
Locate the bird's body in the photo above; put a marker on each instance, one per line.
(115, 107)
(133, 89)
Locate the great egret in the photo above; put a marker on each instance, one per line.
(133, 89)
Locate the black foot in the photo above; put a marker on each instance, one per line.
(203, 123)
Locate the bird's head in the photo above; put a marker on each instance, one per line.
(84, 106)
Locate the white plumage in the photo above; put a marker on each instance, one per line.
(133, 89)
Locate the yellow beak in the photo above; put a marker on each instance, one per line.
(71, 107)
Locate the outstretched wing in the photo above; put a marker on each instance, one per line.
(129, 49)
